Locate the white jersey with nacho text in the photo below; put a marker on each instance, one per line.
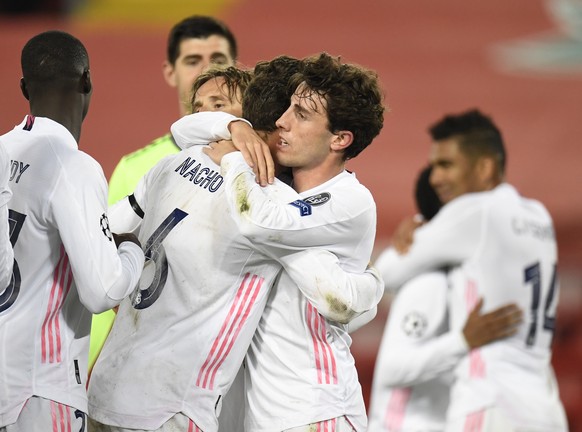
(299, 367)
(506, 247)
(178, 343)
(66, 267)
(6, 253)
(415, 362)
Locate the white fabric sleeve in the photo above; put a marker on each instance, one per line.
(448, 239)
(362, 319)
(202, 128)
(103, 274)
(416, 347)
(265, 215)
(6, 252)
(126, 215)
(336, 294)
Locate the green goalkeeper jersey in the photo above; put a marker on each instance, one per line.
(132, 167)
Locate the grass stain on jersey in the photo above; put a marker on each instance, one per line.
(340, 311)
(242, 203)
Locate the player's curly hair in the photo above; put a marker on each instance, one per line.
(269, 93)
(236, 81)
(352, 94)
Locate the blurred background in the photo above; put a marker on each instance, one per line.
(518, 61)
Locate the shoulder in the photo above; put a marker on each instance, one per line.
(344, 191)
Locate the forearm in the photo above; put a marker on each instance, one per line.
(202, 128)
(336, 294)
(408, 364)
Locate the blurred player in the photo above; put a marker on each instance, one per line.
(66, 262)
(193, 44)
(188, 326)
(506, 251)
(413, 372)
(6, 252)
(301, 348)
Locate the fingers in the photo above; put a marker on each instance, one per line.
(497, 324)
(478, 306)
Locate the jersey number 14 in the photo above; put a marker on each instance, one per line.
(532, 275)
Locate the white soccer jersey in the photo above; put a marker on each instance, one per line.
(300, 367)
(6, 253)
(417, 355)
(66, 267)
(178, 342)
(507, 251)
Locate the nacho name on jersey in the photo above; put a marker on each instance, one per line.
(199, 174)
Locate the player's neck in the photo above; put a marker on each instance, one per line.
(308, 178)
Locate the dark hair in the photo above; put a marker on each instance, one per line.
(235, 80)
(427, 201)
(353, 96)
(53, 56)
(198, 27)
(269, 93)
(476, 133)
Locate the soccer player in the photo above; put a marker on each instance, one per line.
(300, 372)
(6, 252)
(505, 247)
(178, 343)
(418, 353)
(66, 263)
(194, 44)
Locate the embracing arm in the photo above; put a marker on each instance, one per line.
(448, 239)
(337, 295)
(104, 275)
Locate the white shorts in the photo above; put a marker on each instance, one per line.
(40, 414)
(338, 424)
(178, 423)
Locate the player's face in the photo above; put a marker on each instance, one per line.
(305, 137)
(453, 172)
(195, 57)
(213, 96)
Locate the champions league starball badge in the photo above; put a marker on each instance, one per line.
(414, 324)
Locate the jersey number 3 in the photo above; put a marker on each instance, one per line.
(156, 263)
(8, 297)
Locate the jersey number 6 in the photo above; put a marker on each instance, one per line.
(156, 263)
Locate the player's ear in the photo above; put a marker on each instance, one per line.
(342, 140)
(86, 84)
(169, 73)
(24, 89)
(486, 170)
